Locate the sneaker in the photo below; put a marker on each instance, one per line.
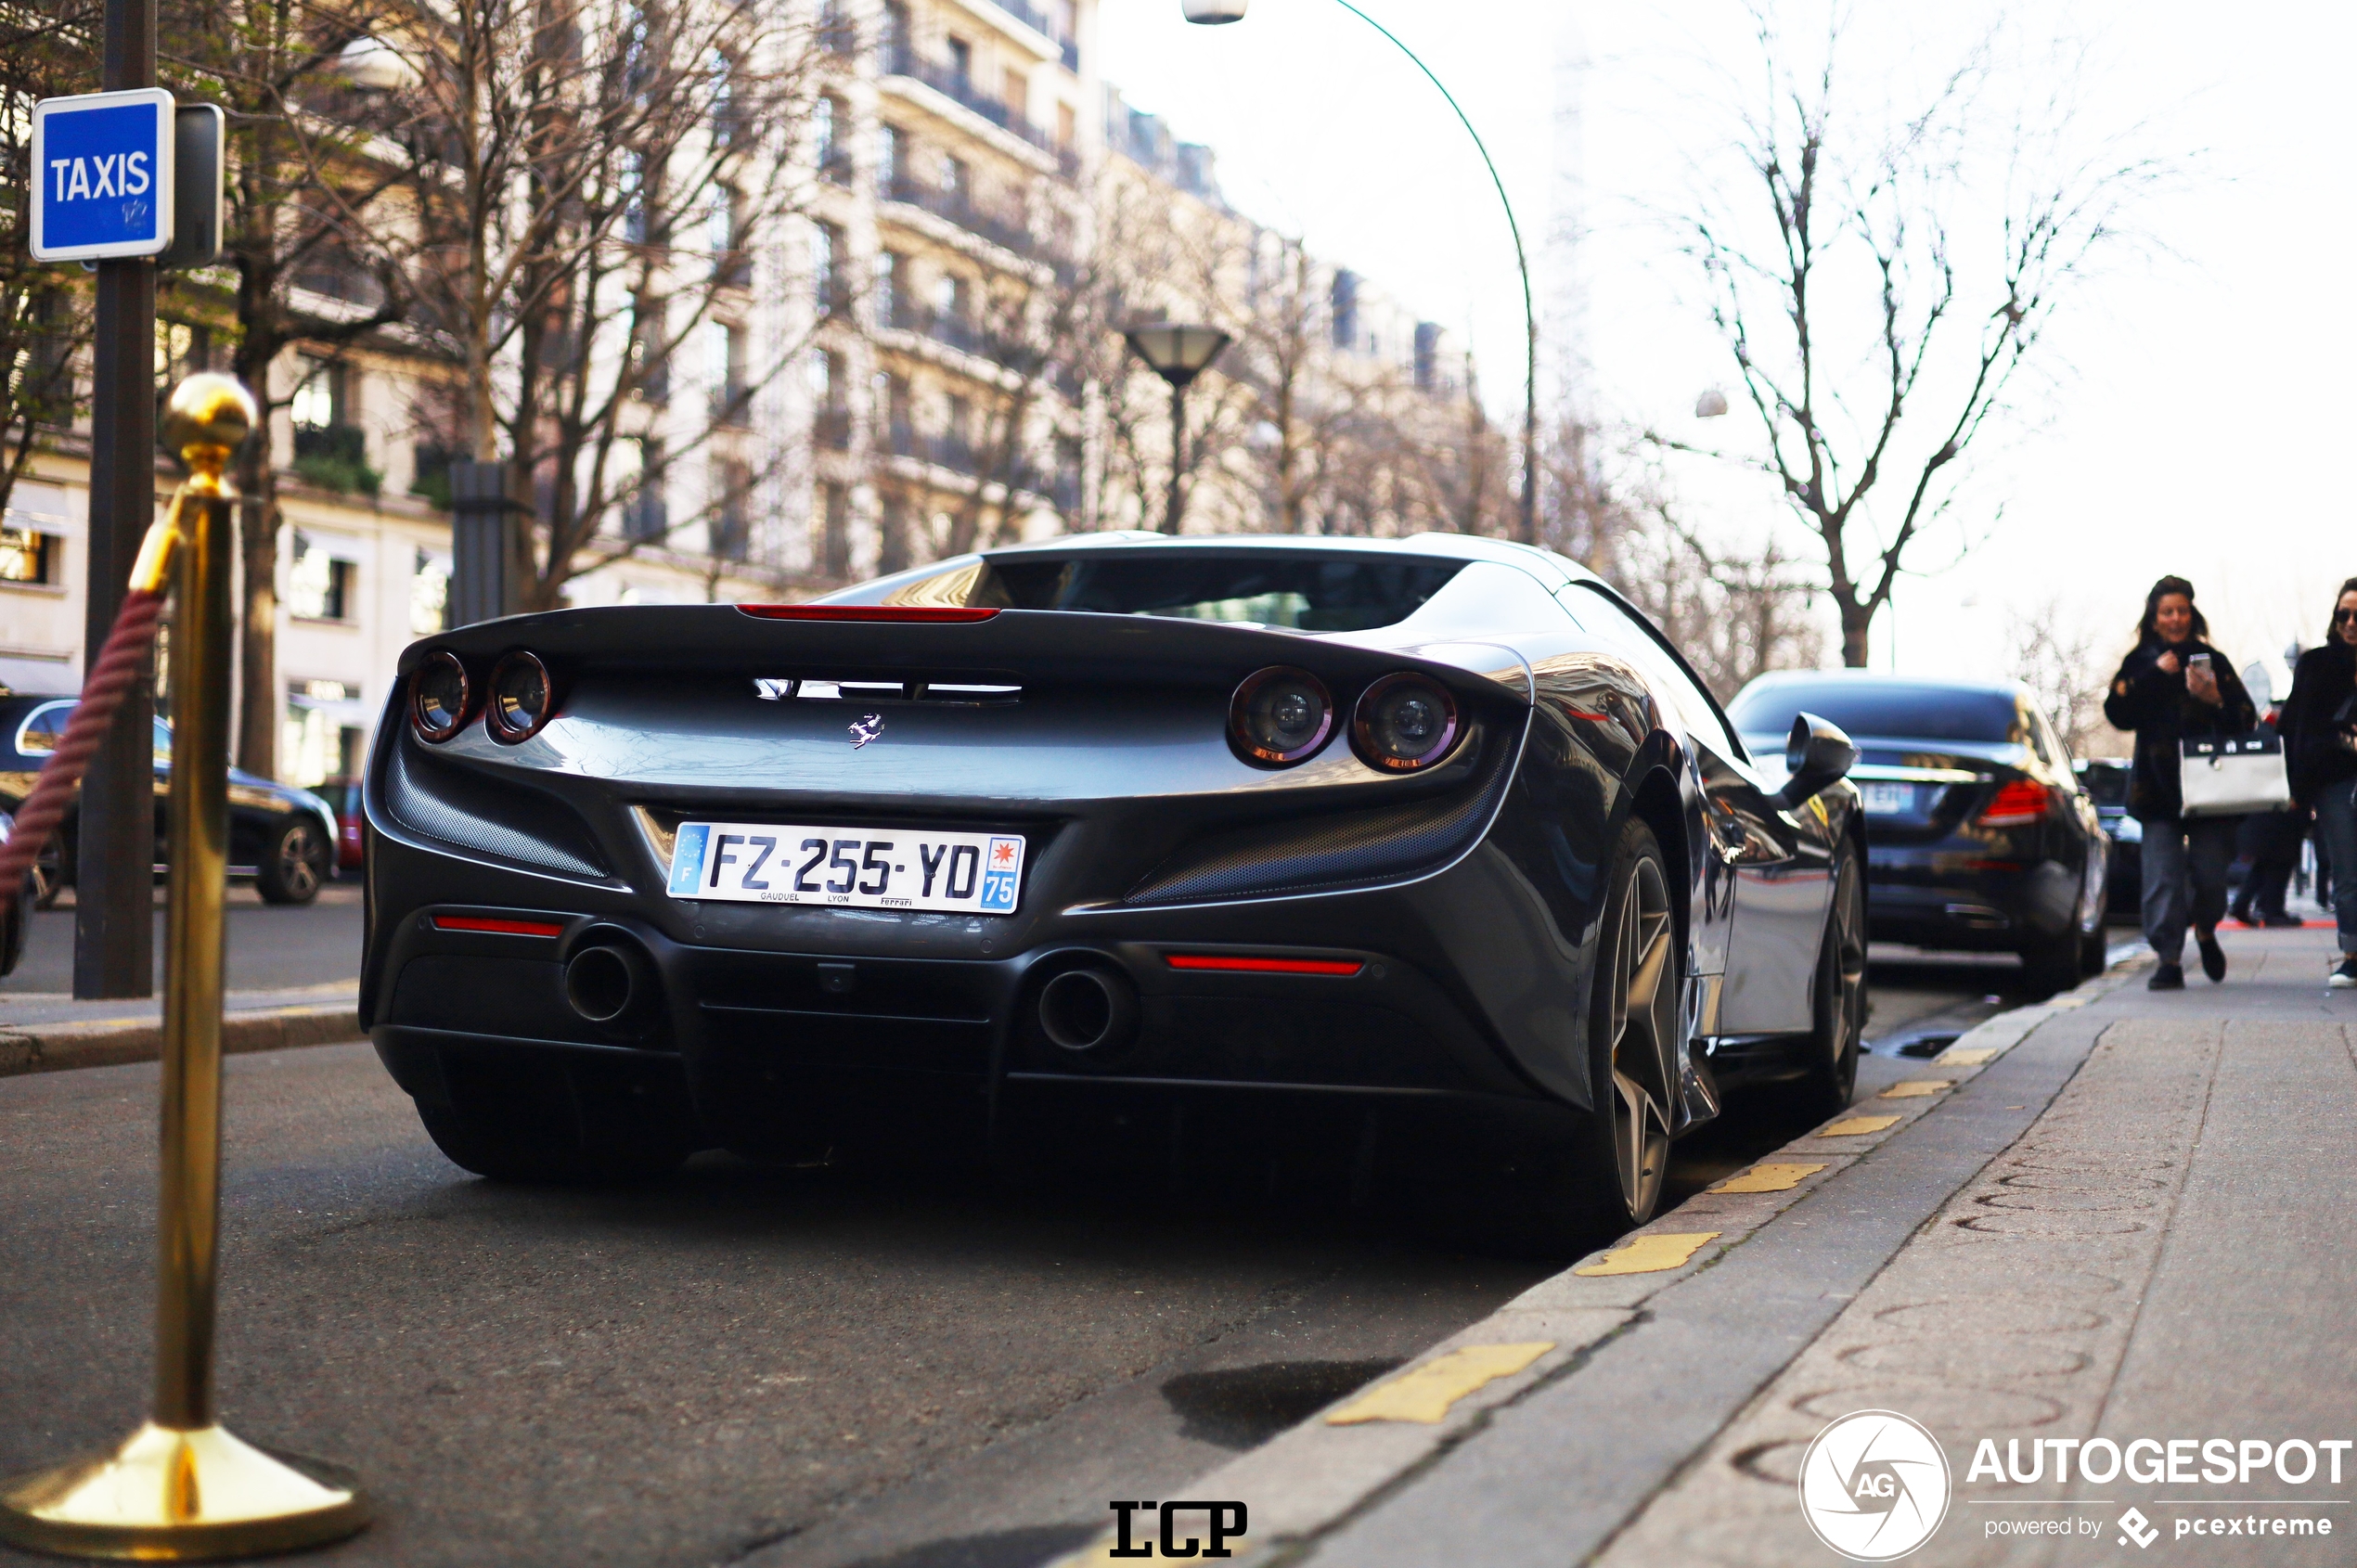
(2280, 920)
(2167, 977)
(2345, 977)
(2213, 957)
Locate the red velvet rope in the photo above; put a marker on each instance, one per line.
(118, 664)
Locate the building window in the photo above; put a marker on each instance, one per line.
(834, 150)
(894, 169)
(645, 517)
(1345, 308)
(956, 183)
(319, 583)
(893, 307)
(961, 62)
(835, 547)
(732, 523)
(430, 595)
(725, 233)
(899, 36)
(725, 352)
(28, 557)
(833, 282)
(317, 403)
(1427, 357)
(331, 451)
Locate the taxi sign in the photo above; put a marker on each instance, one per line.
(102, 175)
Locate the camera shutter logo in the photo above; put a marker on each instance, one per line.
(1875, 1486)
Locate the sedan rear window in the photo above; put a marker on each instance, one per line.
(1892, 710)
(1298, 591)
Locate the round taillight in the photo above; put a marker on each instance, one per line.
(1280, 716)
(1404, 722)
(521, 698)
(440, 696)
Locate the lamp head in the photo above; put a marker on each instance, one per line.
(1178, 353)
(1212, 13)
(207, 417)
(1711, 404)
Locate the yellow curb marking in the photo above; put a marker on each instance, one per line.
(1916, 1088)
(1858, 1126)
(1648, 1254)
(1425, 1394)
(2061, 1002)
(1973, 1058)
(1767, 1178)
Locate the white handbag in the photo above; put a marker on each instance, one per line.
(2233, 777)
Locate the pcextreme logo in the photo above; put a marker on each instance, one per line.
(1874, 1485)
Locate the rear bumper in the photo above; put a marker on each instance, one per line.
(1963, 901)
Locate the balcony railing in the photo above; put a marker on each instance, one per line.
(900, 60)
(1012, 234)
(951, 452)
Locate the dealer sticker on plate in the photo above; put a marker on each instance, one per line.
(765, 863)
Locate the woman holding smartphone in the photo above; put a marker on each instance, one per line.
(2320, 744)
(2172, 685)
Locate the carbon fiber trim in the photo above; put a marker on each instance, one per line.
(473, 826)
(1332, 853)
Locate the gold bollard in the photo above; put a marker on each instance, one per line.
(182, 1488)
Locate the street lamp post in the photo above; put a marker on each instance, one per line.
(1177, 354)
(1214, 13)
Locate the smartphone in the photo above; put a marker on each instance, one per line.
(2198, 662)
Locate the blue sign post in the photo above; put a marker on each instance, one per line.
(102, 175)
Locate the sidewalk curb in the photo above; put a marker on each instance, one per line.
(1310, 1481)
(55, 1048)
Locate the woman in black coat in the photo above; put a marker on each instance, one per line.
(2172, 685)
(2320, 749)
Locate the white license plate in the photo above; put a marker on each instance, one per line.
(1888, 800)
(766, 863)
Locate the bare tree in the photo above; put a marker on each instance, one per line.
(1839, 219)
(45, 310)
(304, 234)
(2062, 665)
(599, 191)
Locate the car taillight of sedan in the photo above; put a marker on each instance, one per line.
(2017, 804)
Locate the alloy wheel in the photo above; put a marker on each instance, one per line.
(297, 874)
(1644, 1025)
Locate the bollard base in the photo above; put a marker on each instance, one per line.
(166, 1496)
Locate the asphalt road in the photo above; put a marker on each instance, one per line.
(741, 1364)
(271, 946)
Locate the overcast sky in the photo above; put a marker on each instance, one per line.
(2196, 413)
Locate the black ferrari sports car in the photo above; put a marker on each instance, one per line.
(1435, 839)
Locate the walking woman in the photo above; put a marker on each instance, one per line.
(2172, 685)
(2320, 744)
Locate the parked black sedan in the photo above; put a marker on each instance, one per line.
(280, 837)
(1979, 837)
(1432, 843)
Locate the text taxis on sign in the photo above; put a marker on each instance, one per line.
(102, 175)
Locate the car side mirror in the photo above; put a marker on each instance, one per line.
(1816, 756)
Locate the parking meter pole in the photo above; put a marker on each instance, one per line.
(182, 1488)
(114, 887)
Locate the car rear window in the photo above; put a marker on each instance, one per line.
(2108, 786)
(1892, 711)
(1299, 591)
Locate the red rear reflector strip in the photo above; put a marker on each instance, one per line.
(902, 613)
(499, 928)
(2023, 801)
(1262, 966)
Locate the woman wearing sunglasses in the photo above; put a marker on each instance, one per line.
(2320, 743)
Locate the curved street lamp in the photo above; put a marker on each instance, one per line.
(1177, 354)
(1216, 13)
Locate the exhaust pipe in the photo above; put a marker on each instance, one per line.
(610, 984)
(1088, 1009)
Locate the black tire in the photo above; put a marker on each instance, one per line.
(2094, 952)
(2052, 963)
(1635, 1023)
(293, 863)
(1830, 1081)
(545, 1123)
